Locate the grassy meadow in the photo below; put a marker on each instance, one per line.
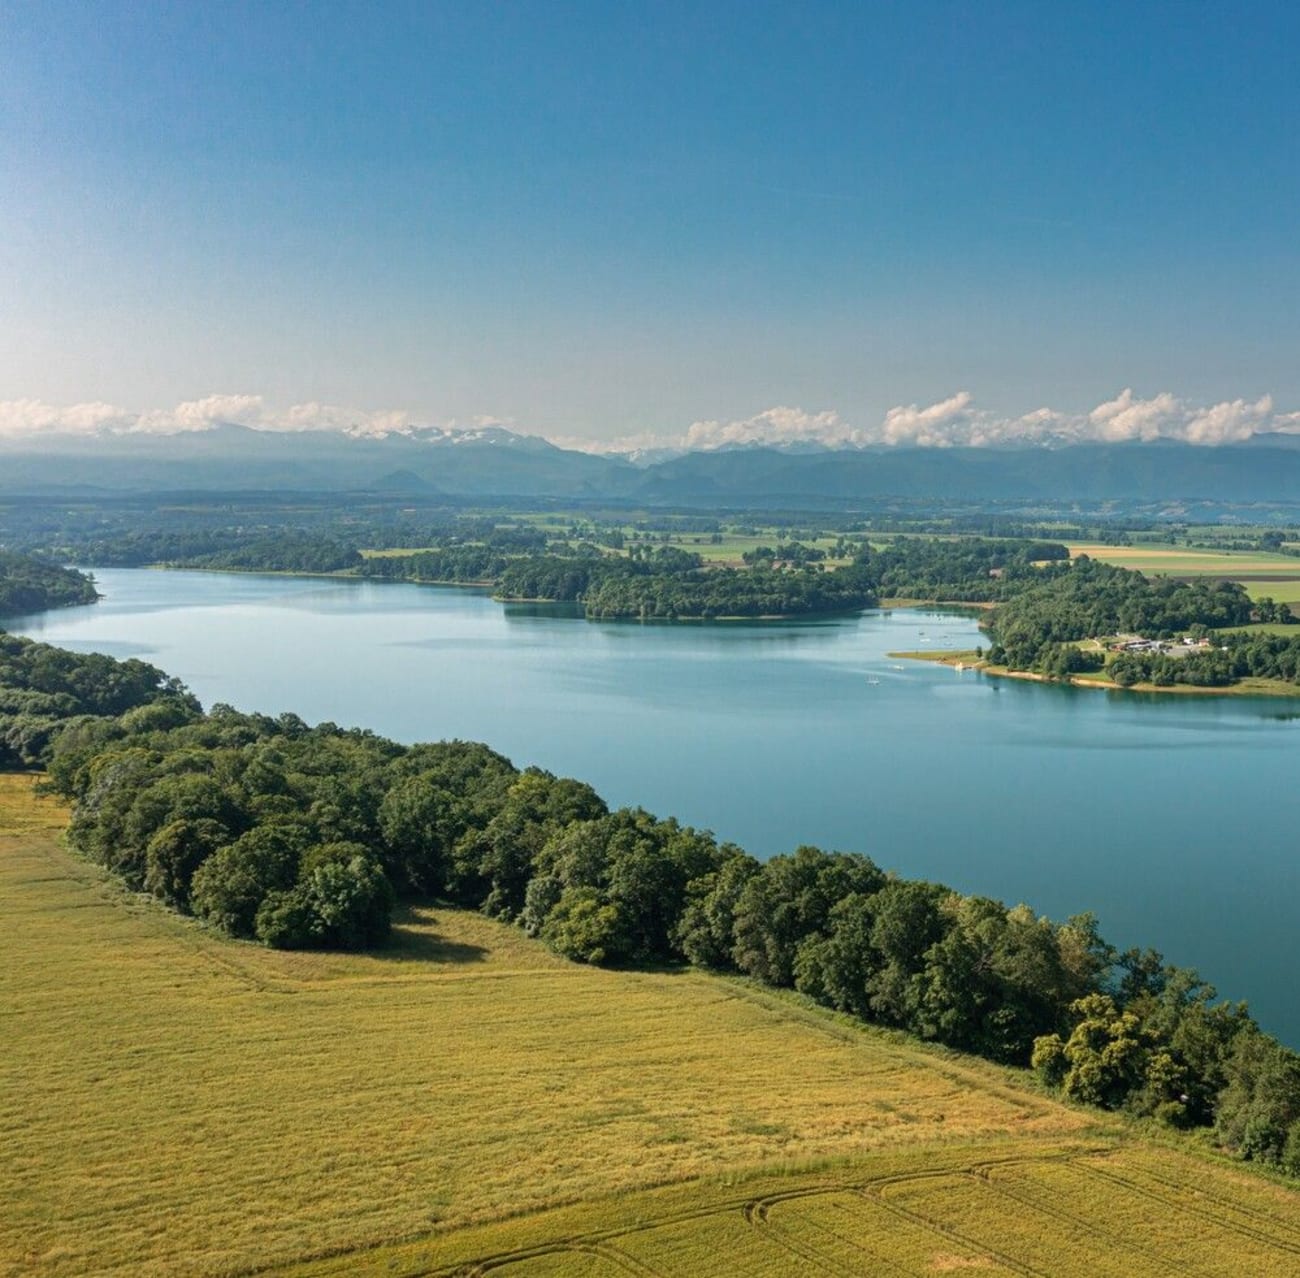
(1284, 591)
(174, 1103)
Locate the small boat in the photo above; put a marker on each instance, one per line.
(873, 681)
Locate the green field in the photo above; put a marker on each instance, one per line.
(1283, 591)
(172, 1103)
(1264, 628)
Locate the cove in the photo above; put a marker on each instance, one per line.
(1170, 818)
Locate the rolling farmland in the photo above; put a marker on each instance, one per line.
(465, 1101)
(1273, 574)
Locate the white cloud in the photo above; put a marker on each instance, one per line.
(201, 414)
(1229, 422)
(939, 426)
(32, 417)
(1125, 417)
(774, 425)
(29, 417)
(955, 421)
(1036, 427)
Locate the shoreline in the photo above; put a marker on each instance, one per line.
(1272, 688)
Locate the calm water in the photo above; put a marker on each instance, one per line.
(1172, 818)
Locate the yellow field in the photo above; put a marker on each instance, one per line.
(1102, 1210)
(1180, 561)
(22, 811)
(171, 1103)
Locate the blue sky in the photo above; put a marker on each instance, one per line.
(607, 219)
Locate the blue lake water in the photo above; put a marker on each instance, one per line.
(1171, 818)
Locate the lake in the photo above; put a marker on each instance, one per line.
(1169, 817)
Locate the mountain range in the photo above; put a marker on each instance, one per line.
(494, 462)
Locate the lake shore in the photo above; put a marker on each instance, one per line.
(971, 660)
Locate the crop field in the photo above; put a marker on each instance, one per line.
(174, 1103)
(1180, 561)
(1102, 1210)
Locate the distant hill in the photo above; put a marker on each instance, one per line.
(493, 462)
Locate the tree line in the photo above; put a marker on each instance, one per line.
(298, 836)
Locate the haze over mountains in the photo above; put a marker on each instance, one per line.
(494, 462)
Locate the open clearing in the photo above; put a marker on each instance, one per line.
(175, 1103)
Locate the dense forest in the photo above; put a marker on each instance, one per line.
(45, 690)
(721, 593)
(706, 594)
(961, 569)
(668, 584)
(298, 836)
(32, 584)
